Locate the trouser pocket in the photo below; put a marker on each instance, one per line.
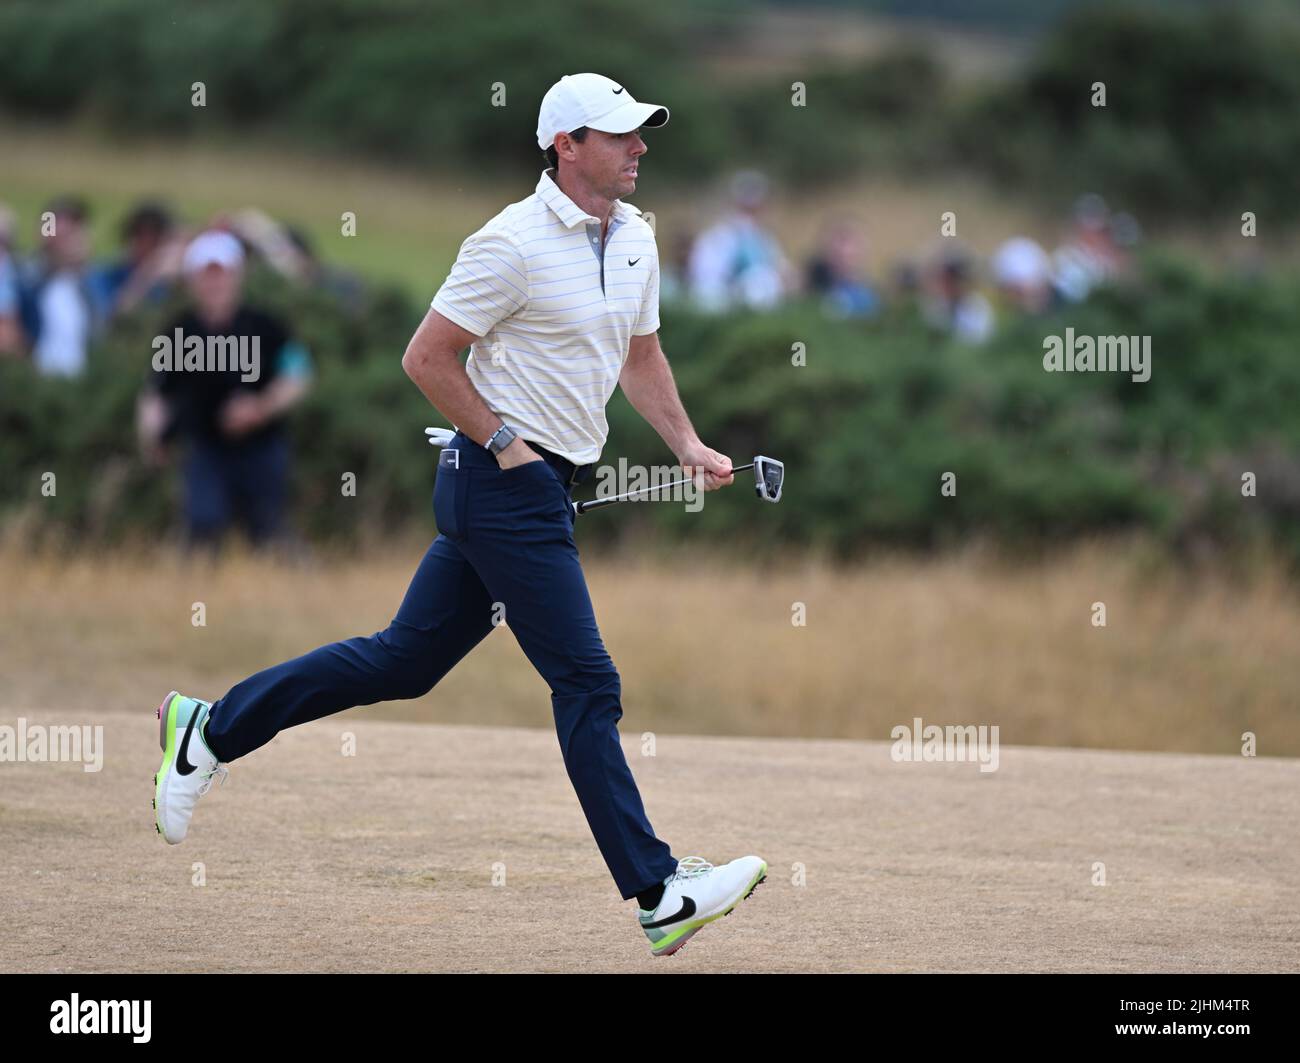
(535, 488)
(450, 494)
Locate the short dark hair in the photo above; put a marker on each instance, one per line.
(147, 217)
(67, 206)
(552, 159)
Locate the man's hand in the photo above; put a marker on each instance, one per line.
(241, 414)
(154, 454)
(518, 453)
(150, 423)
(705, 466)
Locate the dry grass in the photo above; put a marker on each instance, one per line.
(705, 647)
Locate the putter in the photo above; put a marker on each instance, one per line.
(769, 477)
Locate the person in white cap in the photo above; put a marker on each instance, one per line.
(224, 377)
(557, 299)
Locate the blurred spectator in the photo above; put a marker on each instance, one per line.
(289, 252)
(1022, 272)
(271, 241)
(10, 330)
(57, 306)
(238, 456)
(674, 269)
(1092, 256)
(341, 285)
(836, 273)
(150, 261)
(904, 292)
(737, 261)
(905, 281)
(952, 304)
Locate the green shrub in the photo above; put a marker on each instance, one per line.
(399, 79)
(1198, 121)
(867, 427)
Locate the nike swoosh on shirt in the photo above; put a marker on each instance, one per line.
(633, 261)
(687, 910)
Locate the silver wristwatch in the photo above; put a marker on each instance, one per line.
(500, 439)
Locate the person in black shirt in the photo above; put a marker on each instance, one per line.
(224, 376)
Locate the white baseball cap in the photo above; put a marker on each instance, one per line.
(213, 248)
(596, 102)
(1021, 261)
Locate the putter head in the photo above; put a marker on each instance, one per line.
(769, 475)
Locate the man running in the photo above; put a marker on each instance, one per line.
(558, 296)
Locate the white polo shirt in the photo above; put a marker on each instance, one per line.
(555, 312)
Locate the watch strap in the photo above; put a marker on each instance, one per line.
(500, 439)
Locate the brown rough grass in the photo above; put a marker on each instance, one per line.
(704, 646)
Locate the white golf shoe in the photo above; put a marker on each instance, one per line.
(188, 765)
(695, 894)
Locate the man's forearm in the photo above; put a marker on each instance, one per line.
(647, 381)
(150, 418)
(283, 393)
(443, 381)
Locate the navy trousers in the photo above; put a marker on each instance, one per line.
(505, 544)
(244, 479)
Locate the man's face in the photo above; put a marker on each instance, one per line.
(69, 244)
(143, 242)
(607, 162)
(216, 290)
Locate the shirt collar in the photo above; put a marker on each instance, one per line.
(569, 213)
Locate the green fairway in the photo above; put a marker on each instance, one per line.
(410, 226)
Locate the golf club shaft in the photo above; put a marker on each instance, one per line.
(596, 503)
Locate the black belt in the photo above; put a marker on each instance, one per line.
(571, 474)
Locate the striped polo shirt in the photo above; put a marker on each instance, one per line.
(555, 312)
